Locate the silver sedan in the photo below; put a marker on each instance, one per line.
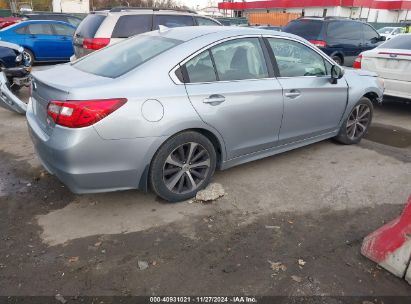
(164, 110)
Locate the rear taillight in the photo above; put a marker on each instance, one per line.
(319, 43)
(95, 43)
(79, 113)
(357, 62)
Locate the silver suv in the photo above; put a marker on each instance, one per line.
(102, 28)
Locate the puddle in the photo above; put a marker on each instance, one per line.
(389, 135)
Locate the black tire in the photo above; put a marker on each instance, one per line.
(357, 123)
(172, 162)
(337, 59)
(28, 55)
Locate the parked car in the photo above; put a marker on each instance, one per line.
(392, 62)
(11, 55)
(68, 18)
(42, 40)
(6, 21)
(169, 107)
(103, 28)
(71, 19)
(342, 39)
(390, 32)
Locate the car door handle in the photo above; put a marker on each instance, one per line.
(214, 99)
(293, 94)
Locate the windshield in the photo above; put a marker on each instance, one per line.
(385, 30)
(400, 42)
(125, 56)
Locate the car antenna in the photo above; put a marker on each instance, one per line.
(163, 28)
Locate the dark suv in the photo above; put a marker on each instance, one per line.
(341, 39)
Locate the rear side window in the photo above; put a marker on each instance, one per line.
(402, 42)
(21, 30)
(63, 30)
(73, 21)
(40, 29)
(205, 21)
(172, 21)
(89, 26)
(306, 28)
(131, 25)
(240, 59)
(125, 56)
(201, 68)
(344, 30)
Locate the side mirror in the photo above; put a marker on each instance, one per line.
(336, 73)
(382, 38)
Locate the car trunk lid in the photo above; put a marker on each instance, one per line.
(56, 84)
(392, 64)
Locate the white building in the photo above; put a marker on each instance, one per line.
(71, 6)
(387, 11)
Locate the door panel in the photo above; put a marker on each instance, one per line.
(317, 110)
(312, 104)
(345, 36)
(249, 119)
(40, 38)
(230, 88)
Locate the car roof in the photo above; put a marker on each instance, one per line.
(140, 11)
(44, 21)
(191, 32)
(328, 19)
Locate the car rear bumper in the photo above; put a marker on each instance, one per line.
(397, 88)
(86, 163)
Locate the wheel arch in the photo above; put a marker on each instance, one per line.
(373, 96)
(213, 136)
(339, 54)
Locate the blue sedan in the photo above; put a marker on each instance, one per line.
(42, 40)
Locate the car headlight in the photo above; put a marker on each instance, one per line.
(19, 58)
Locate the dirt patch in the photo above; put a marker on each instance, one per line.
(389, 135)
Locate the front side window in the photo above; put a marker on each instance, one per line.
(295, 59)
(40, 29)
(344, 30)
(369, 33)
(172, 21)
(240, 59)
(125, 56)
(130, 25)
(201, 69)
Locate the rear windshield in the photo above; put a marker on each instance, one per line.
(130, 25)
(125, 56)
(89, 26)
(306, 28)
(401, 42)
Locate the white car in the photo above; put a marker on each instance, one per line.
(392, 62)
(390, 32)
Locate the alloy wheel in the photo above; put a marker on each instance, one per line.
(27, 58)
(358, 121)
(186, 168)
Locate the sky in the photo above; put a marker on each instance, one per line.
(197, 3)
